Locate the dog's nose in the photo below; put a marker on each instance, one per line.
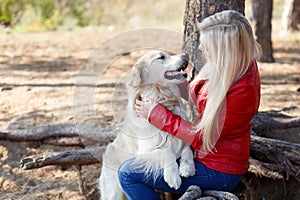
(185, 56)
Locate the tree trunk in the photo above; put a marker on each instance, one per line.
(291, 16)
(260, 17)
(196, 11)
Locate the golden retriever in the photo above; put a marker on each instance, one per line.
(154, 77)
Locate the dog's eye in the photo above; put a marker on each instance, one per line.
(161, 57)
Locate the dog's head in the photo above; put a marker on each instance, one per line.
(158, 67)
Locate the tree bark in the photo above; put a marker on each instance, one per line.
(285, 155)
(277, 126)
(195, 12)
(260, 17)
(291, 16)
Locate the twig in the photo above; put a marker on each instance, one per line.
(249, 189)
(80, 182)
(284, 189)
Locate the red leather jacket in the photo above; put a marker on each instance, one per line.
(232, 150)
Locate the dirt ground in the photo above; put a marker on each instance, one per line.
(38, 76)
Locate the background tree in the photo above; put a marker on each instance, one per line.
(291, 15)
(195, 12)
(260, 17)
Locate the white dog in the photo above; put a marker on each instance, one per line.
(154, 77)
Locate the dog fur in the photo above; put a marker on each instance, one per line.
(154, 77)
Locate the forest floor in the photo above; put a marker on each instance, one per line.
(38, 72)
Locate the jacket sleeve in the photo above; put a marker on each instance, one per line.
(165, 120)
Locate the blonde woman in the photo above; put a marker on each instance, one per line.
(227, 93)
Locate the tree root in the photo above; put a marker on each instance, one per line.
(276, 156)
(194, 192)
(285, 155)
(271, 158)
(258, 168)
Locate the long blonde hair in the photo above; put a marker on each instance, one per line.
(227, 41)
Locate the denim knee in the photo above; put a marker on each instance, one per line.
(124, 171)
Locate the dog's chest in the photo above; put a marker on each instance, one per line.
(157, 140)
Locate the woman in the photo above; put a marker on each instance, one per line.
(227, 93)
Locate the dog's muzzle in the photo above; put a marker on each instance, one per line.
(178, 73)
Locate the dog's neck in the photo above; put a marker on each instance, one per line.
(167, 96)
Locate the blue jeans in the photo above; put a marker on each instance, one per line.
(139, 185)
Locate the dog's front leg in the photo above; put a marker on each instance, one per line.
(187, 165)
(171, 176)
(109, 185)
(171, 171)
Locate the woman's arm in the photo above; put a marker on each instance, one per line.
(165, 120)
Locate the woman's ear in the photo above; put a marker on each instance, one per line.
(133, 78)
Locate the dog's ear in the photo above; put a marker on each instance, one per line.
(133, 78)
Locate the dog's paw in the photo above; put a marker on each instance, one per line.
(187, 170)
(171, 176)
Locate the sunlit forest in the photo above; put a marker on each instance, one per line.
(36, 15)
(62, 67)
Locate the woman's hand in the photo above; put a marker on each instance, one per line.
(142, 108)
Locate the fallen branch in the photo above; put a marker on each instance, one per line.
(52, 134)
(79, 157)
(40, 133)
(65, 130)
